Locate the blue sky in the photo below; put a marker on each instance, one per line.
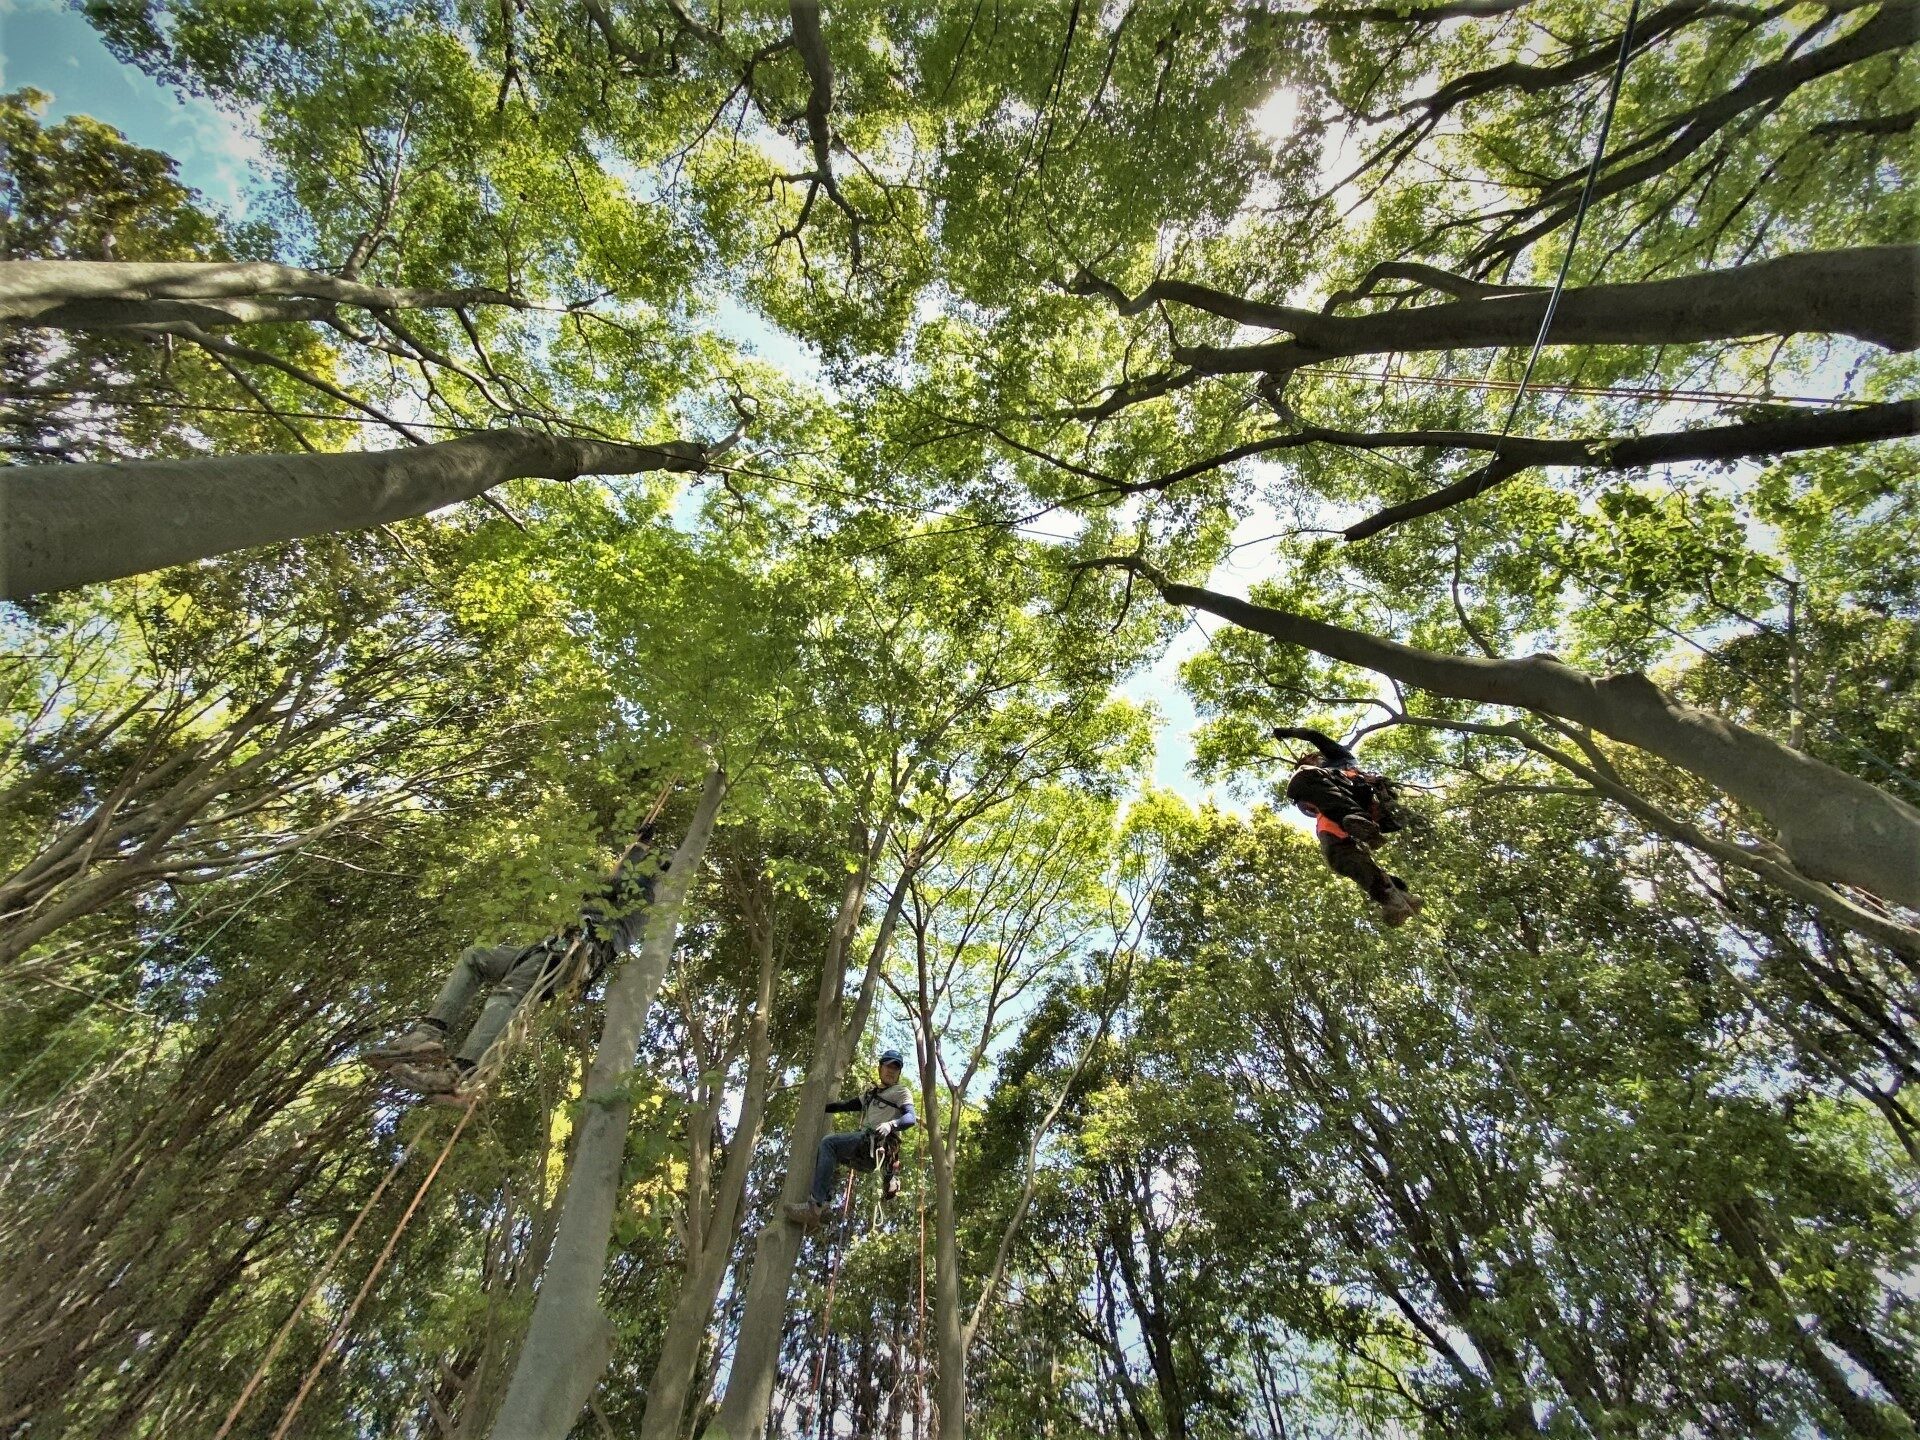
(48, 47)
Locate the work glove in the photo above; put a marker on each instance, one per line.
(883, 1130)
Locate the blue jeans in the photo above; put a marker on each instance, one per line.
(852, 1148)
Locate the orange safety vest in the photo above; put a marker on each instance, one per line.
(1322, 825)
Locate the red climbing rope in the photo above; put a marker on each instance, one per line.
(366, 1286)
(319, 1280)
(837, 1257)
(920, 1323)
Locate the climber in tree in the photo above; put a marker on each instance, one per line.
(885, 1109)
(1352, 811)
(609, 927)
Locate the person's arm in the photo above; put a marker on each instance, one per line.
(1328, 746)
(628, 896)
(842, 1107)
(905, 1120)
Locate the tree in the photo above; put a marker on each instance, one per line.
(1528, 387)
(1012, 901)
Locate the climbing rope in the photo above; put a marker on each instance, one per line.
(836, 1257)
(920, 1321)
(483, 1073)
(339, 1332)
(476, 1084)
(836, 1260)
(1579, 213)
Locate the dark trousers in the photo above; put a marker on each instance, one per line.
(1356, 862)
(852, 1148)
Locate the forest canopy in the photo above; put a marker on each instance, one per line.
(803, 460)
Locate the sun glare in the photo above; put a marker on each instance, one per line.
(1273, 121)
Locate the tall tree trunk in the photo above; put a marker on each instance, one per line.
(570, 1338)
(743, 1409)
(1833, 827)
(1860, 1415)
(949, 1328)
(68, 525)
(679, 1362)
(122, 294)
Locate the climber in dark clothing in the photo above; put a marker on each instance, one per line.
(885, 1110)
(1352, 811)
(609, 926)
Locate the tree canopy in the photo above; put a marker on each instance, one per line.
(824, 431)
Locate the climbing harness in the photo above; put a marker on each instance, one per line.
(1374, 792)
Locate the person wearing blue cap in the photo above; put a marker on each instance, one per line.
(885, 1110)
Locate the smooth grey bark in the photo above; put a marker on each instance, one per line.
(1833, 827)
(116, 294)
(570, 1338)
(950, 1331)
(1783, 435)
(68, 525)
(1868, 293)
(711, 1250)
(749, 1395)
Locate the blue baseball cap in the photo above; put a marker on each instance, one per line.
(891, 1056)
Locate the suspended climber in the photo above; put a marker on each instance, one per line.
(1352, 810)
(608, 928)
(885, 1110)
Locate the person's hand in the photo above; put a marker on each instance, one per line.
(883, 1130)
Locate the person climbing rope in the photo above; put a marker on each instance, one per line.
(885, 1110)
(609, 926)
(1352, 812)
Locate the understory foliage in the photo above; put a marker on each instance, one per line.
(1006, 340)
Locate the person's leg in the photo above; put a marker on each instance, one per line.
(424, 1043)
(834, 1151)
(846, 1148)
(521, 971)
(1356, 862)
(479, 965)
(1346, 857)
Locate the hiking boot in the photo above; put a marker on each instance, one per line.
(422, 1044)
(430, 1080)
(806, 1214)
(1361, 828)
(1396, 909)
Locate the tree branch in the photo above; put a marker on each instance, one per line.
(1868, 293)
(70, 525)
(1894, 420)
(1833, 826)
(112, 294)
